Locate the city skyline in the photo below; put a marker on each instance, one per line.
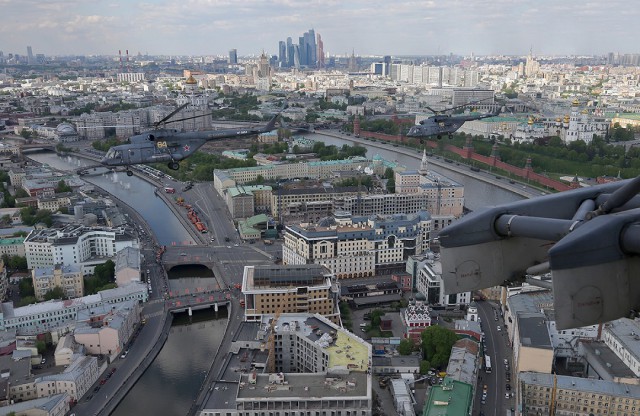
(213, 27)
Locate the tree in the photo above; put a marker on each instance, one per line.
(436, 345)
(62, 187)
(41, 346)
(26, 288)
(405, 347)
(27, 300)
(55, 293)
(424, 366)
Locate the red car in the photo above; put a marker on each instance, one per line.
(104, 380)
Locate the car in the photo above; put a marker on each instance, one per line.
(103, 381)
(498, 328)
(506, 362)
(113, 370)
(508, 387)
(228, 246)
(483, 401)
(183, 254)
(44, 360)
(506, 395)
(89, 397)
(124, 354)
(235, 245)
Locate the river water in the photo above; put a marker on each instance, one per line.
(170, 384)
(477, 193)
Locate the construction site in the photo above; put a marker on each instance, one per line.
(293, 364)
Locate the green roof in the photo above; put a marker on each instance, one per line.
(630, 116)
(248, 189)
(451, 398)
(10, 241)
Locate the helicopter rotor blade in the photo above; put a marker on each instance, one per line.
(469, 103)
(171, 114)
(189, 118)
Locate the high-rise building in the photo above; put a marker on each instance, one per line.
(290, 52)
(387, 65)
(282, 54)
(320, 52)
(29, 55)
(233, 57)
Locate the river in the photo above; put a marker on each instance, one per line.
(477, 193)
(172, 381)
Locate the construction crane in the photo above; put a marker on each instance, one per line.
(552, 407)
(271, 360)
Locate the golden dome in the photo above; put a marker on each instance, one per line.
(558, 120)
(575, 103)
(191, 80)
(584, 111)
(530, 120)
(566, 119)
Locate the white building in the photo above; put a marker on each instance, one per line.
(623, 337)
(429, 283)
(84, 246)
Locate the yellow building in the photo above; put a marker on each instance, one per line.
(67, 277)
(289, 289)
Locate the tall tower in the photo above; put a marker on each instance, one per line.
(282, 54)
(233, 57)
(264, 68)
(290, 52)
(320, 52)
(29, 55)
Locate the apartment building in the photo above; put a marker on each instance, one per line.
(106, 329)
(60, 316)
(75, 380)
(544, 394)
(358, 246)
(307, 288)
(67, 277)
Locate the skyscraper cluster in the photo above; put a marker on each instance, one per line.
(306, 53)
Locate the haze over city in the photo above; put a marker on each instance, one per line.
(212, 27)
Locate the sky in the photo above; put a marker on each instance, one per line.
(367, 27)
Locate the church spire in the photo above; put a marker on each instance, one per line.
(423, 165)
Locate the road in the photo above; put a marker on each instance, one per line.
(496, 344)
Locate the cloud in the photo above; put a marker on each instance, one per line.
(202, 27)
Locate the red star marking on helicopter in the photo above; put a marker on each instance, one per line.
(186, 148)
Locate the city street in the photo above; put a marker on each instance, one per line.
(496, 343)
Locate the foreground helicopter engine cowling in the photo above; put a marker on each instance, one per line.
(592, 253)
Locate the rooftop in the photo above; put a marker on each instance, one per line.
(304, 385)
(627, 331)
(533, 331)
(581, 384)
(451, 398)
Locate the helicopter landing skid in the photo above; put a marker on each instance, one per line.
(173, 165)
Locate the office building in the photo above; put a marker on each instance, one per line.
(358, 246)
(233, 57)
(446, 195)
(73, 244)
(305, 288)
(429, 282)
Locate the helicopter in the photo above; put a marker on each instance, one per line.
(170, 145)
(440, 124)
